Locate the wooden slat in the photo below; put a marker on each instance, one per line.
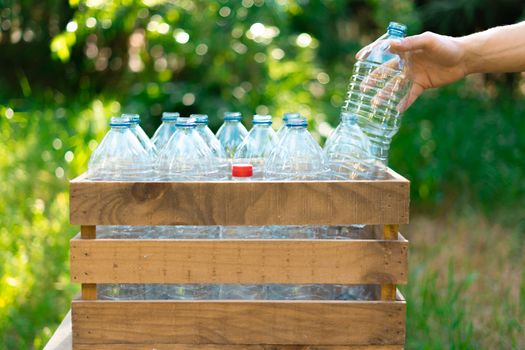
(239, 322)
(239, 203)
(62, 340)
(231, 347)
(239, 261)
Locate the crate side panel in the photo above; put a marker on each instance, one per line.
(239, 322)
(230, 203)
(238, 261)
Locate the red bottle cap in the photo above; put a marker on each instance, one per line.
(242, 170)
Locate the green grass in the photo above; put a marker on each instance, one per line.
(466, 284)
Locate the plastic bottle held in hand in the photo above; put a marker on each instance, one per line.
(165, 130)
(120, 156)
(377, 92)
(348, 150)
(297, 156)
(231, 133)
(186, 156)
(283, 127)
(213, 143)
(257, 146)
(141, 135)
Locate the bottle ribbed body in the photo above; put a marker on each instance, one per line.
(377, 91)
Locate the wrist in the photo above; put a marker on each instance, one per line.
(466, 59)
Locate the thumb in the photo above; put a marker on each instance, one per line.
(415, 42)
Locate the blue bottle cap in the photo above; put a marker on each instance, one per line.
(232, 115)
(133, 118)
(119, 121)
(296, 121)
(290, 115)
(170, 116)
(262, 119)
(200, 118)
(185, 121)
(398, 29)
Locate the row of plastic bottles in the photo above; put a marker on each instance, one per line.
(185, 149)
(235, 291)
(236, 232)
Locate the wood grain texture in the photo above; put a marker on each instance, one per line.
(239, 203)
(239, 322)
(239, 261)
(231, 347)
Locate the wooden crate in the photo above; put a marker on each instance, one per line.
(240, 324)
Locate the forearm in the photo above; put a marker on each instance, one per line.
(497, 50)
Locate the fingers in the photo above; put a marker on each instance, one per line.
(396, 85)
(423, 41)
(381, 73)
(412, 96)
(362, 52)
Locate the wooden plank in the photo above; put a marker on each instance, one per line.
(239, 322)
(239, 203)
(239, 261)
(231, 347)
(62, 340)
(388, 290)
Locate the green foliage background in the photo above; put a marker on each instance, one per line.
(66, 67)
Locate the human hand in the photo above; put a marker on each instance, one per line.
(435, 60)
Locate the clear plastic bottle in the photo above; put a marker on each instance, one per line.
(120, 156)
(297, 156)
(348, 150)
(137, 130)
(186, 156)
(283, 126)
(300, 292)
(231, 133)
(213, 143)
(378, 87)
(165, 130)
(242, 172)
(257, 145)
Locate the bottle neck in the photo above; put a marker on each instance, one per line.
(231, 121)
(120, 128)
(396, 34)
(186, 127)
(262, 125)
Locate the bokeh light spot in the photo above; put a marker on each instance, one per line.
(181, 37)
(304, 40)
(188, 99)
